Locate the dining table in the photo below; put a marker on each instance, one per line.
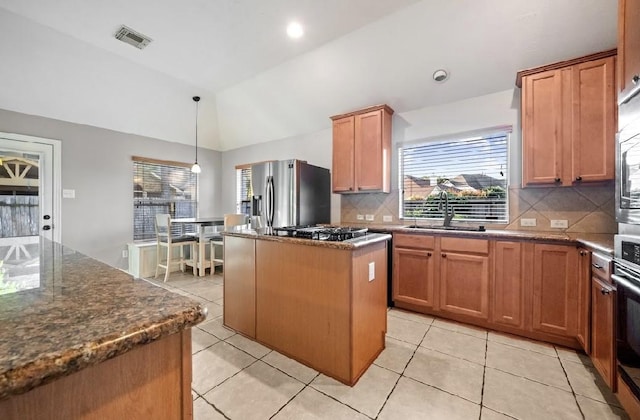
(201, 223)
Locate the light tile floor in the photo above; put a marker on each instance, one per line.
(431, 369)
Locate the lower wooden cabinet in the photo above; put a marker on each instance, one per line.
(464, 284)
(584, 300)
(555, 289)
(603, 299)
(507, 299)
(240, 285)
(413, 277)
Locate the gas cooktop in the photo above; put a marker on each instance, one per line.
(321, 233)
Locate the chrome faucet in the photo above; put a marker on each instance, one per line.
(445, 212)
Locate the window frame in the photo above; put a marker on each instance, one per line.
(243, 204)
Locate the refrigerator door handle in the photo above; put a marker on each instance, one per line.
(270, 201)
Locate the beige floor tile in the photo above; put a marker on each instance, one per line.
(461, 328)
(488, 414)
(214, 326)
(456, 344)
(202, 410)
(367, 396)
(213, 310)
(524, 399)
(411, 316)
(213, 365)
(595, 410)
(586, 381)
(257, 392)
(290, 367)
(311, 404)
(413, 400)
(571, 355)
(523, 343)
(405, 330)
(219, 302)
(257, 350)
(201, 340)
(529, 364)
(456, 376)
(396, 355)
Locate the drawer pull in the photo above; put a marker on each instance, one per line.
(557, 180)
(578, 178)
(428, 254)
(596, 266)
(444, 255)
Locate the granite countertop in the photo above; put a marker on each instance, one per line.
(356, 243)
(77, 312)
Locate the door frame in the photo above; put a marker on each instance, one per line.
(56, 193)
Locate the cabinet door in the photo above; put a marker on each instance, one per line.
(584, 300)
(240, 285)
(507, 299)
(628, 44)
(593, 138)
(464, 284)
(372, 151)
(413, 277)
(555, 289)
(343, 155)
(602, 353)
(542, 128)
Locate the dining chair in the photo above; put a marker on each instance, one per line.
(166, 239)
(231, 222)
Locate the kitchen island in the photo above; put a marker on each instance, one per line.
(322, 303)
(85, 340)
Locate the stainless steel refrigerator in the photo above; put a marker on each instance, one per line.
(290, 193)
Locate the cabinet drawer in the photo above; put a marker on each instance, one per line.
(480, 246)
(601, 266)
(414, 241)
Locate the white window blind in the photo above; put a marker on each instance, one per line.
(161, 187)
(471, 171)
(243, 190)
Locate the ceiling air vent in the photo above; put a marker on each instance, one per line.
(132, 37)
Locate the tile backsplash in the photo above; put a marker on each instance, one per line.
(588, 209)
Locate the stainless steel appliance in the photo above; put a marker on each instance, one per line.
(321, 233)
(290, 192)
(628, 174)
(626, 278)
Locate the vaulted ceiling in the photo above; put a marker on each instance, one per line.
(60, 59)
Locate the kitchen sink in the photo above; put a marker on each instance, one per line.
(440, 227)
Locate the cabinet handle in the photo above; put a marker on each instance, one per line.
(557, 180)
(444, 255)
(578, 178)
(596, 266)
(635, 79)
(605, 291)
(582, 253)
(428, 254)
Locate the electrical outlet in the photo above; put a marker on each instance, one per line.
(369, 217)
(125, 253)
(527, 222)
(560, 224)
(360, 217)
(372, 271)
(387, 218)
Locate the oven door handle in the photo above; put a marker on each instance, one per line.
(623, 281)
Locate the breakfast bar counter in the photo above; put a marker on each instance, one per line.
(83, 339)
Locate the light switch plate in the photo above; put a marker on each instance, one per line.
(527, 222)
(372, 271)
(560, 224)
(68, 193)
(369, 217)
(387, 218)
(360, 217)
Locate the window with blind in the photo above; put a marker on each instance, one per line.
(472, 172)
(161, 187)
(243, 190)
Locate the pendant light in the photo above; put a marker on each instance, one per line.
(196, 168)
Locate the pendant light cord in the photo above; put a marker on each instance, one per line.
(196, 99)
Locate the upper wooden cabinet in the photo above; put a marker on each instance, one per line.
(628, 46)
(362, 150)
(568, 121)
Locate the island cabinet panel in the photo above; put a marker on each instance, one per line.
(507, 301)
(149, 382)
(240, 285)
(343, 169)
(464, 284)
(584, 300)
(555, 289)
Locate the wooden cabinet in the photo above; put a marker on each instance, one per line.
(464, 277)
(555, 289)
(362, 151)
(240, 285)
(507, 300)
(628, 46)
(602, 319)
(414, 270)
(568, 121)
(584, 300)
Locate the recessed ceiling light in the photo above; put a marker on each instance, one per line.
(440, 75)
(294, 30)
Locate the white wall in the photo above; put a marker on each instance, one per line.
(97, 164)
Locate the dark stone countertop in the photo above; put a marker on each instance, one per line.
(356, 243)
(76, 312)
